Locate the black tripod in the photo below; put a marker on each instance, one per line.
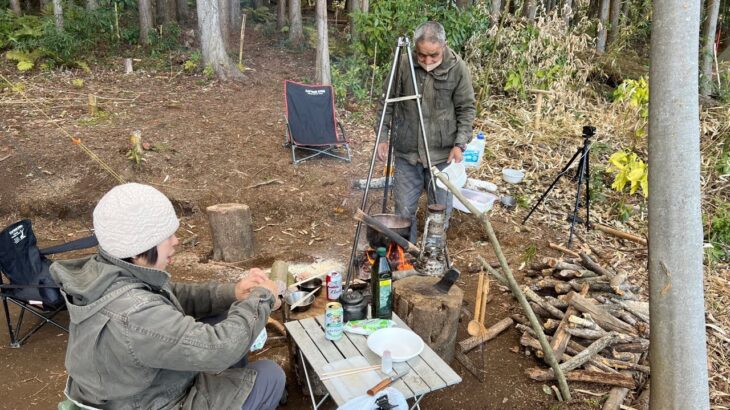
(581, 176)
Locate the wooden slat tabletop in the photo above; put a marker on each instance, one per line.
(427, 372)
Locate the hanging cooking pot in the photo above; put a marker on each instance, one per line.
(399, 224)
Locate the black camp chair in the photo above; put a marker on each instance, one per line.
(30, 286)
(311, 125)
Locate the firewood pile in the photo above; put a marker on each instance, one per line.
(596, 326)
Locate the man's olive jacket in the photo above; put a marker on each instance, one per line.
(448, 107)
(134, 342)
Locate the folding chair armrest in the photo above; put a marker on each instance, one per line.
(82, 243)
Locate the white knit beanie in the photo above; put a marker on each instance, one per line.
(133, 218)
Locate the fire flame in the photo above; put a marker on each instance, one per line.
(396, 256)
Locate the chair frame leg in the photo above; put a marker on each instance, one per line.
(16, 340)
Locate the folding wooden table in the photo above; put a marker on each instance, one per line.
(428, 372)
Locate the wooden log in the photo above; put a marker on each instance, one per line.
(432, 315)
(469, 365)
(539, 311)
(573, 348)
(583, 322)
(636, 346)
(232, 232)
(128, 68)
(626, 317)
(549, 283)
(588, 334)
(589, 263)
(610, 379)
(620, 234)
(561, 265)
(561, 338)
(551, 325)
(638, 309)
(468, 344)
(567, 274)
(562, 305)
(642, 402)
(562, 249)
(592, 350)
(617, 281)
(604, 319)
(617, 394)
(552, 310)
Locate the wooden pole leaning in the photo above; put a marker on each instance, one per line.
(534, 322)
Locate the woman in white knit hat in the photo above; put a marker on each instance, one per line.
(136, 341)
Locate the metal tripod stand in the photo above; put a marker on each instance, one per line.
(391, 97)
(582, 175)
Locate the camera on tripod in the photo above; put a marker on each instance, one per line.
(582, 177)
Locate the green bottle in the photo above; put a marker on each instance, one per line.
(382, 287)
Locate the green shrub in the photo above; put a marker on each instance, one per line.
(717, 233)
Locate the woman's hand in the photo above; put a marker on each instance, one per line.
(256, 277)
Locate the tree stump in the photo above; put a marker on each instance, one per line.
(232, 232)
(432, 315)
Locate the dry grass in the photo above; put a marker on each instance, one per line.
(541, 143)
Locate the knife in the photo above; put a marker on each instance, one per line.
(386, 382)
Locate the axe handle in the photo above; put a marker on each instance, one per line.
(375, 224)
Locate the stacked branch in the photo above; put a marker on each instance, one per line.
(598, 330)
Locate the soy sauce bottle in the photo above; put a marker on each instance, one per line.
(382, 287)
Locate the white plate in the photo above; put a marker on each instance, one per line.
(403, 344)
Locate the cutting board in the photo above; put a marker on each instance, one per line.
(345, 388)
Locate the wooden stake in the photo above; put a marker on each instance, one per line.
(92, 105)
(620, 234)
(128, 66)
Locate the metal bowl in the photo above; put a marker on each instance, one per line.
(294, 297)
(311, 285)
(399, 224)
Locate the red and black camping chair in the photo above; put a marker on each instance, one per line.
(29, 285)
(311, 124)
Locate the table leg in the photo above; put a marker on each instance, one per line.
(418, 399)
(315, 405)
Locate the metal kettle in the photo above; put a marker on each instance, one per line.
(354, 305)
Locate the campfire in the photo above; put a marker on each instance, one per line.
(397, 256)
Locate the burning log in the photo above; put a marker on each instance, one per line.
(492, 332)
(611, 379)
(232, 232)
(602, 318)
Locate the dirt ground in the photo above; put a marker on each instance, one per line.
(221, 142)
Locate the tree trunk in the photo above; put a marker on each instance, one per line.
(296, 33)
(92, 4)
(567, 12)
(708, 47)
(41, 3)
(354, 8)
(232, 232)
(323, 74)
(258, 3)
(529, 10)
(211, 42)
(678, 342)
(182, 10)
(602, 27)
(281, 14)
(15, 6)
(235, 14)
(463, 4)
(365, 6)
(615, 21)
(496, 10)
(432, 315)
(163, 15)
(224, 9)
(58, 14)
(145, 20)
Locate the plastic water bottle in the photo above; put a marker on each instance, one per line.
(386, 365)
(474, 152)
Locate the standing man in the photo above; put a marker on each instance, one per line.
(448, 107)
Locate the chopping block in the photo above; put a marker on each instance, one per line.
(432, 315)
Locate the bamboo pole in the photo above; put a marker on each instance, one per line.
(514, 286)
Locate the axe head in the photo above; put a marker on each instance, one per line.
(447, 281)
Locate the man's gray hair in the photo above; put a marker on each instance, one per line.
(430, 31)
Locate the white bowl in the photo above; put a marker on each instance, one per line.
(456, 173)
(512, 176)
(483, 201)
(403, 344)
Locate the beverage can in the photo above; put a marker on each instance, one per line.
(334, 285)
(333, 321)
